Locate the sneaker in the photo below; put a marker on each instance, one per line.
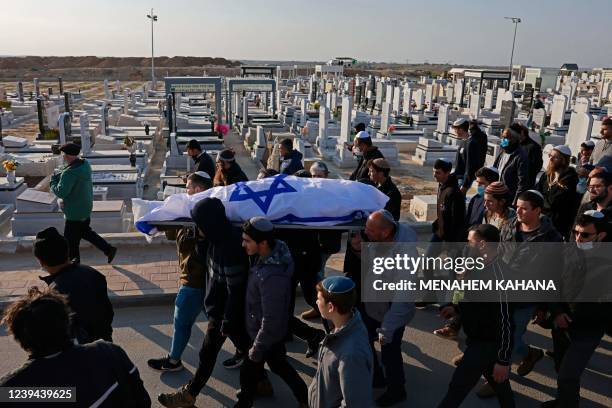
(111, 254)
(391, 397)
(457, 359)
(313, 344)
(485, 391)
(526, 366)
(310, 314)
(235, 361)
(446, 332)
(179, 399)
(164, 364)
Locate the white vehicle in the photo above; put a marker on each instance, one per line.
(342, 61)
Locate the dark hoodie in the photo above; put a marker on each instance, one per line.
(233, 176)
(226, 264)
(291, 163)
(560, 203)
(361, 172)
(450, 224)
(205, 163)
(268, 300)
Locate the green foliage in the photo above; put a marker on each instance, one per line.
(51, 134)
(5, 104)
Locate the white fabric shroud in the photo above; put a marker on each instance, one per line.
(282, 199)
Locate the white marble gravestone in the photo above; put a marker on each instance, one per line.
(488, 101)
(581, 123)
(85, 136)
(475, 106)
(107, 94)
(343, 157)
(384, 119)
(62, 123)
(407, 103)
(557, 115)
(397, 93)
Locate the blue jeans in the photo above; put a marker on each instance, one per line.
(521, 316)
(188, 305)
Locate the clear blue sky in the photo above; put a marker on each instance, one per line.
(462, 32)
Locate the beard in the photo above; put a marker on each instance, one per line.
(601, 197)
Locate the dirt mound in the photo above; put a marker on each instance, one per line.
(37, 63)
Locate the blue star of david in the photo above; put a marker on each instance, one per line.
(262, 198)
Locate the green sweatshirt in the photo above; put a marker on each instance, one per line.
(74, 186)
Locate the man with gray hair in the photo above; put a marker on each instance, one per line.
(386, 321)
(319, 170)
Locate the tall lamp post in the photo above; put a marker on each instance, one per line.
(515, 21)
(153, 18)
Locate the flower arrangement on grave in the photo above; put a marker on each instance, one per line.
(5, 104)
(129, 142)
(391, 129)
(304, 131)
(223, 129)
(10, 165)
(317, 105)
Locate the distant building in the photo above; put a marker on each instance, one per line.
(541, 79)
(566, 69)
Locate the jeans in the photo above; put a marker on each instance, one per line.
(478, 359)
(390, 353)
(187, 307)
(74, 231)
(213, 341)
(251, 372)
(521, 316)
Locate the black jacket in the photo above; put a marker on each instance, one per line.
(607, 212)
(450, 223)
(515, 173)
(226, 264)
(489, 322)
(100, 371)
(361, 171)
(291, 164)
(234, 175)
(394, 205)
(206, 164)
(268, 300)
(88, 298)
(471, 157)
(561, 203)
(534, 159)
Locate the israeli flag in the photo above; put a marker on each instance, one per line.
(282, 199)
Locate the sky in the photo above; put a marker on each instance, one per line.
(472, 32)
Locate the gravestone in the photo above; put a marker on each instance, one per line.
(527, 101)
(304, 110)
(20, 91)
(430, 150)
(104, 118)
(67, 107)
(384, 119)
(507, 114)
(85, 136)
(245, 112)
(459, 92)
(344, 157)
(442, 126)
(396, 101)
(559, 107)
(380, 91)
(389, 94)
(36, 87)
(117, 86)
(539, 118)
(407, 103)
(419, 99)
(126, 99)
(107, 94)
(450, 92)
(488, 101)
(581, 123)
(42, 117)
(424, 207)
(500, 98)
(475, 106)
(429, 96)
(60, 83)
(10, 192)
(64, 126)
(36, 201)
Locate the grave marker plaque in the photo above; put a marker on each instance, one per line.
(527, 99)
(507, 114)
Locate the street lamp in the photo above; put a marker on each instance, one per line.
(153, 18)
(516, 21)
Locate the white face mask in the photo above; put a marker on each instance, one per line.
(585, 246)
(357, 151)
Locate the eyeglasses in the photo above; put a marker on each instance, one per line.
(595, 186)
(585, 235)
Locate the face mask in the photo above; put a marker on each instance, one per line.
(585, 246)
(357, 153)
(504, 143)
(481, 190)
(581, 187)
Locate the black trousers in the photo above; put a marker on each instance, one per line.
(572, 349)
(307, 278)
(213, 341)
(390, 355)
(478, 359)
(251, 372)
(74, 231)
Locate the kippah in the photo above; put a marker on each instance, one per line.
(226, 155)
(536, 192)
(202, 174)
(261, 224)
(497, 188)
(594, 214)
(338, 284)
(363, 135)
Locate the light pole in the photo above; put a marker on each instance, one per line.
(153, 18)
(516, 21)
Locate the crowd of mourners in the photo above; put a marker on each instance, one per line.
(244, 279)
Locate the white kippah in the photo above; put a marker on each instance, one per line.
(202, 174)
(594, 214)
